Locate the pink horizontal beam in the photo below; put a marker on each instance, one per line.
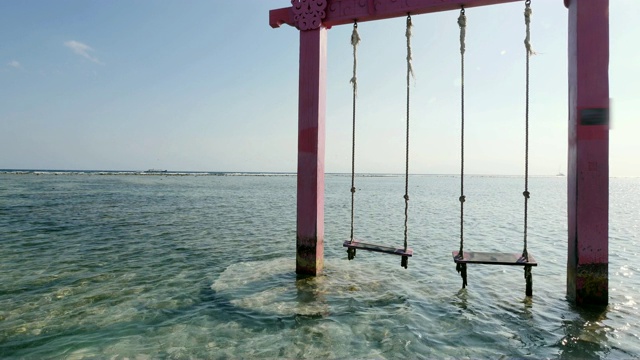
(340, 12)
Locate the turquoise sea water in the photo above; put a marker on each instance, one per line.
(98, 266)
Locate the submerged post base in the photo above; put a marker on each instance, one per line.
(309, 256)
(588, 284)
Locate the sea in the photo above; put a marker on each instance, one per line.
(163, 265)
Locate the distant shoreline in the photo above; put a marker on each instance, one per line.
(140, 173)
(227, 173)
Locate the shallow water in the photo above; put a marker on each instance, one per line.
(133, 266)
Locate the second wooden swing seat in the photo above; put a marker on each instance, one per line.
(493, 258)
(359, 245)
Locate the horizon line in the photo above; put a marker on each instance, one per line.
(165, 171)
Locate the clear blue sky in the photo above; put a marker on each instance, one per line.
(209, 86)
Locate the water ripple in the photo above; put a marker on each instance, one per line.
(203, 267)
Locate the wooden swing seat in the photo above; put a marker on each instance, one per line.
(356, 244)
(491, 258)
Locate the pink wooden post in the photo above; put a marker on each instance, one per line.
(588, 165)
(311, 133)
(307, 17)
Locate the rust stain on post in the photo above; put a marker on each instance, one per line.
(592, 285)
(309, 256)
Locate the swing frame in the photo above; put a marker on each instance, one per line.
(588, 141)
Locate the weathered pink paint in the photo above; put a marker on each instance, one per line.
(588, 163)
(311, 142)
(340, 12)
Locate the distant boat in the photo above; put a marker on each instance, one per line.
(559, 174)
(155, 171)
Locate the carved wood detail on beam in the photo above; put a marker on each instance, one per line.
(308, 14)
(340, 12)
(349, 8)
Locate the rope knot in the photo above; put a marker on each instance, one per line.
(462, 20)
(462, 198)
(527, 22)
(462, 23)
(406, 197)
(526, 194)
(355, 40)
(409, 57)
(355, 37)
(353, 189)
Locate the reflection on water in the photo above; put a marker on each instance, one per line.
(585, 335)
(461, 299)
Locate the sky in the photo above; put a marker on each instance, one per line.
(210, 86)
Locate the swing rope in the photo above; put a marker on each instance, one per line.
(527, 44)
(405, 259)
(461, 267)
(529, 51)
(353, 244)
(492, 258)
(355, 40)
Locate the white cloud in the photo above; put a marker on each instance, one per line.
(15, 64)
(82, 50)
(503, 52)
